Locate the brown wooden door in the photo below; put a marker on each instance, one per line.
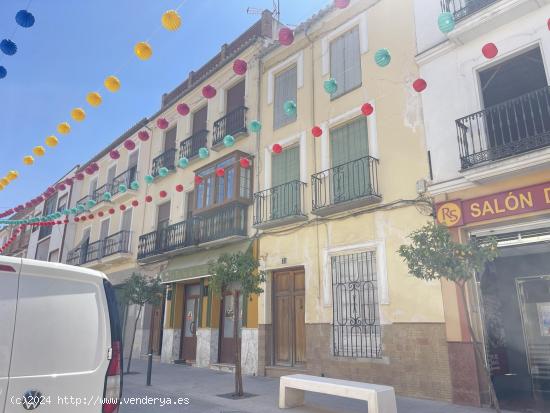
(227, 327)
(200, 119)
(289, 317)
(155, 338)
(190, 322)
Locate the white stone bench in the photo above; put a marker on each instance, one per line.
(381, 399)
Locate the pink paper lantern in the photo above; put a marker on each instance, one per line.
(183, 109)
(129, 144)
(209, 91)
(89, 170)
(244, 162)
(286, 36)
(490, 50)
(69, 181)
(114, 154)
(341, 4)
(79, 176)
(367, 109)
(162, 123)
(419, 85)
(240, 67)
(143, 135)
(277, 148)
(95, 166)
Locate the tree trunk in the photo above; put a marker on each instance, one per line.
(238, 371)
(133, 339)
(478, 352)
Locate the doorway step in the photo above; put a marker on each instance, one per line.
(278, 371)
(226, 368)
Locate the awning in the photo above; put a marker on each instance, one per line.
(185, 267)
(120, 277)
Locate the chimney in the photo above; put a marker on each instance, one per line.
(267, 24)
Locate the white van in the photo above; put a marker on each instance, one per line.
(60, 340)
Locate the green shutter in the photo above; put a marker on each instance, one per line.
(285, 167)
(286, 85)
(285, 177)
(345, 62)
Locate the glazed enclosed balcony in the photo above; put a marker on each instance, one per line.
(351, 185)
(280, 205)
(189, 148)
(112, 248)
(510, 128)
(464, 8)
(165, 160)
(234, 123)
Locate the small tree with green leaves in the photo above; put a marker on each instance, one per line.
(237, 273)
(433, 255)
(140, 290)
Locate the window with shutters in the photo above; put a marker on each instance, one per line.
(49, 208)
(286, 89)
(286, 186)
(42, 250)
(62, 203)
(345, 62)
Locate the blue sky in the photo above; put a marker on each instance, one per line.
(74, 45)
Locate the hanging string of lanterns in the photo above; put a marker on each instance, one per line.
(24, 19)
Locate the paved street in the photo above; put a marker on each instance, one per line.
(202, 387)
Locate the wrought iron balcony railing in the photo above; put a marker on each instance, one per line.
(464, 8)
(279, 203)
(164, 160)
(356, 180)
(513, 127)
(126, 178)
(99, 193)
(118, 243)
(170, 238)
(231, 124)
(189, 148)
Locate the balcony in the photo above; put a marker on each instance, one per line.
(347, 186)
(511, 128)
(107, 249)
(125, 178)
(280, 205)
(464, 8)
(189, 148)
(164, 160)
(234, 123)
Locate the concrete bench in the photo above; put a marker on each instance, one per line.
(381, 399)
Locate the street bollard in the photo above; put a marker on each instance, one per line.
(149, 367)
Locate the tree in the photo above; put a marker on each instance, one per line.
(433, 255)
(140, 290)
(238, 273)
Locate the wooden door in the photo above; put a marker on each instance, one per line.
(227, 327)
(289, 317)
(188, 351)
(200, 119)
(155, 338)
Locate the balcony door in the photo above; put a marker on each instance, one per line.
(111, 175)
(103, 234)
(200, 119)
(92, 188)
(235, 121)
(133, 164)
(285, 175)
(84, 245)
(188, 350)
(163, 219)
(350, 174)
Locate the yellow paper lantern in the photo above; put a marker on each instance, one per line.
(39, 151)
(4, 181)
(93, 99)
(52, 141)
(78, 114)
(171, 20)
(112, 84)
(12, 175)
(64, 128)
(28, 160)
(143, 50)
(2, 187)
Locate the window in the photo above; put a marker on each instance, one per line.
(62, 203)
(54, 256)
(285, 90)
(356, 318)
(345, 62)
(170, 139)
(36, 227)
(93, 187)
(42, 250)
(49, 208)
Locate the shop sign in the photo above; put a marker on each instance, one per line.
(508, 203)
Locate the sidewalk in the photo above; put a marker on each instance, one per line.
(202, 387)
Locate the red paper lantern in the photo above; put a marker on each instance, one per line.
(135, 203)
(114, 154)
(276, 148)
(245, 163)
(240, 67)
(183, 109)
(198, 180)
(94, 166)
(367, 109)
(59, 222)
(286, 36)
(317, 132)
(341, 4)
(148, 198)
(220, 172)
(548, 24)
(100, 214)
(83, 218)
(209, 91)
(69, 181)
(129, 144)
(79, 176)
(143, 135)
(122, 207)
(162, 123)
(163, 194)
(419, 85)
(91, 216)
(179, 188)
(111, 211)
(75, 220)
(66, 221)
(490, 50)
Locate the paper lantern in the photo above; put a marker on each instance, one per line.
(276, 148)
(107, 196)
(112, 84)
(255, 126)
(143, 135)
(79, 176)
(3, 72)
(148, 199)
(209, 91)
(39, 151)
(163, 194)
(203, 153)
(143, 50)
(76, 219)
(228, 141)
(78, 114)
(198, 179)
(290, 108)
(122, 207)
(69, 181)
(183, 109)
(13, 175)
(122, 188)
(83, 219)
(490, 50)
(446, 22)
(64, 128)
(162, 123)
(135, 203)
(317, 132)
(24, 19)
(163, 171)
(548, 24)
(74, 211)
(419, 85)
(93, 99)
(286, 36)
(240, 66)
(91, 216)
(382, 57)
(114, 154)
(111, 211)
(91, 203)
(95, 166)
(171, 20)
(341, 4)
(89, 170)
(179, 188)
(220, 172)
(61, 187)
(149, 179)
(28, 160)
(331, 86)
(80, 208)
(100, 214)
(129, 144)
(183, 162)
(134, 185)
(8, 47)
(367, 109)
(51, 141)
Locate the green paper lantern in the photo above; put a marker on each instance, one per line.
(382, 57)
(163, 171)
(229, 141)
(66, 211)
(73, 211)
(183, 162)
(290, 108)
(255, 126)
(122, 188)
(58, 215)
(149, 179)
(203, 153)
(80, 208)
(107, 196)
(331, 86)
(134, 185)
(91, 203)
(446, 22)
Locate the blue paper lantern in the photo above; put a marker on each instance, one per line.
(203, 153)
(382, 57)
(8, 47)
(290, 107)
(229, 141)
(107, 196)
(134, 185)
(3, 72)
(149, 179)
(91, 203)
(24, 19)
(331, 86)
(183, 162)
(446, 22)
(255, 126)
(122, 188)
(163, 171)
